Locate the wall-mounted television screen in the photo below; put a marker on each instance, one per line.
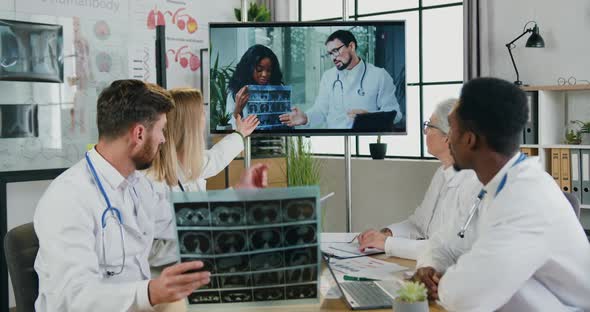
(319, 78)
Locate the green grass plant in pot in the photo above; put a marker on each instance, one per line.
(584, 132)
(411, 297)
(220, 76)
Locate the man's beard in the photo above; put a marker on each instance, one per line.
(344, 65)
(146, 157)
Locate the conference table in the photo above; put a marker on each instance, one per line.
(325, 304)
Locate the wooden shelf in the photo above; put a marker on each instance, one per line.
(578, 87)
(571, 146)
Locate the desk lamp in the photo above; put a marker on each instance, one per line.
(534, 41)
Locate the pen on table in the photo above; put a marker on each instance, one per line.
(358, 279)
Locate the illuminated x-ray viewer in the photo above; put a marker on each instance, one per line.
(268, 103)
(261, 246)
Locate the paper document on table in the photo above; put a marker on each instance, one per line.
(337, 237)
(366, 267)
(343, 245)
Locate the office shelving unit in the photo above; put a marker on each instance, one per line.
(553, 119)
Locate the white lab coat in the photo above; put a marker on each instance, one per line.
(215, 160)
(524, 250)
(70, 259)
(449, 197)
(332, 103)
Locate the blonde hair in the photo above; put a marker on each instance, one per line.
(183, 137)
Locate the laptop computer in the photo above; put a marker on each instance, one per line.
(374, 122)
(366, 295)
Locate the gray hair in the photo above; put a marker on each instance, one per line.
(442, 111)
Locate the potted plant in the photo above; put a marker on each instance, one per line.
(583, 134)
(256, 13)
(302, 169)
(220, 77)
(378, 150)
(411, 298)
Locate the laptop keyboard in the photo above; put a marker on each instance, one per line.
(367, 294)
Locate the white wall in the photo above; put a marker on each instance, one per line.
(564, 25)
(383, 191)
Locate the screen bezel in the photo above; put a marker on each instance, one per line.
(309, 132)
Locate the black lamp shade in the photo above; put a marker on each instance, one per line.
(535, 40)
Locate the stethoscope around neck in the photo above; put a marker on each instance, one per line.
(108, 212)
(481, 195)
(361, 90)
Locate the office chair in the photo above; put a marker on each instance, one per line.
(20, 247)
(574, 202)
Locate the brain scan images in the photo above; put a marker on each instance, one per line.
(263, 212)
(266, 238)
(256, 250)
(233, 264)
(265, 261)
(236, 296)
(302, 291)
(228, 214)
(300, 235)
(268, 102)
(195, 242)
(235, 281)
(268, 278)
(227, 242)
(265, 294)
(192, 215)
(299, 210)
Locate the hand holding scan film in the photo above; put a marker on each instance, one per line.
(247, 125)
(175, 283)
(254, 177)
(295, 118)
(242, 98)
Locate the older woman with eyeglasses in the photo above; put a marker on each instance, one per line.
(448, 197)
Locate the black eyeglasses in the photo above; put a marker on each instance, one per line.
(427, 124)
(335, 52)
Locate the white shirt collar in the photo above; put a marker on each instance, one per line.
(109, 174)
(493, 184)
(354, 71)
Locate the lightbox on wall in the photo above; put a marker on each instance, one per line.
(31, 51)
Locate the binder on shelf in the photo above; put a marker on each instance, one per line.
(565, 177)
(585, 166)
(575, 174)
(530, 130)
(529, 151)
(556, 165)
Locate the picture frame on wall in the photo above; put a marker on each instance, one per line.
(31, 51)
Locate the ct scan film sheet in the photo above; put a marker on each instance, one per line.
(261, 246)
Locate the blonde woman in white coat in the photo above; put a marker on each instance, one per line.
(183, 163)
(450, 193)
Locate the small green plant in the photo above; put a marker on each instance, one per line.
(256, 13)
(220, 76)
(573, 137)
(584, 126)
(411, 292)
(302, 168)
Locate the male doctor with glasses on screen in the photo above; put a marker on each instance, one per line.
(352, 88)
